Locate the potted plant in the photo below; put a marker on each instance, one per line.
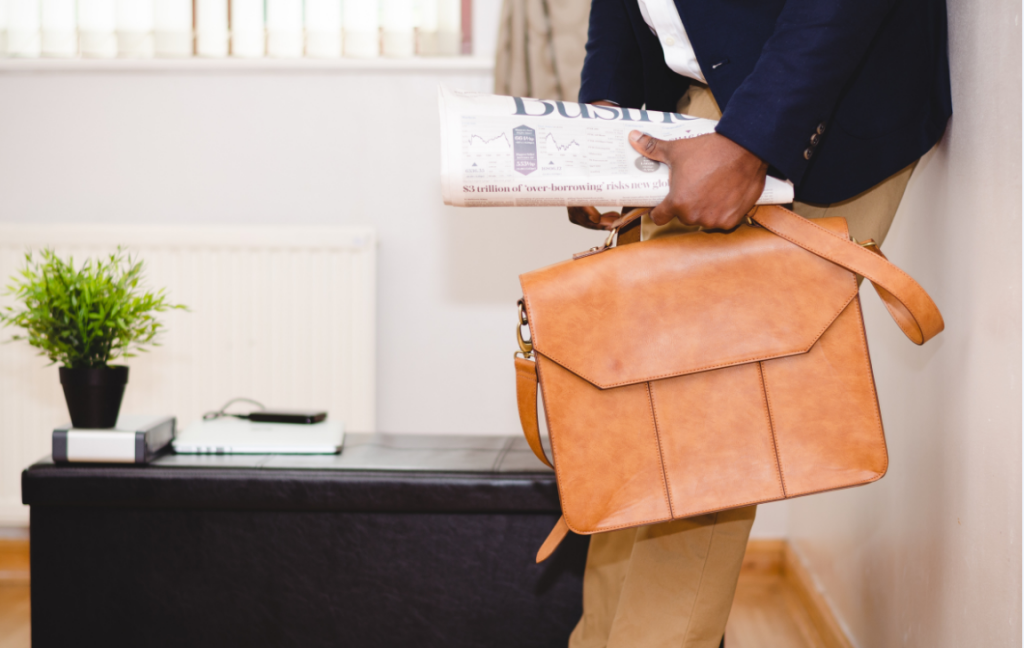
(85, 318)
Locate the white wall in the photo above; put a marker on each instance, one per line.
(278, 147)
(272, 148)
(931, 555)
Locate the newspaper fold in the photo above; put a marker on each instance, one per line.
(511, 151)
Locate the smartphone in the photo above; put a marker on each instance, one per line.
(288, 416)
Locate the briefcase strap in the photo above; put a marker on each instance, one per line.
(907, 302)
(526, 394)
(526, 391)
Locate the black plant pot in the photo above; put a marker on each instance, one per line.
(94, 395)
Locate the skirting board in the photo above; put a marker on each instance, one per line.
(777, 558)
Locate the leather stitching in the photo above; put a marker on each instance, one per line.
(856, 251)
(786, 494)
(865, 351)
(661, 452)
(831, 258)
(535, 332)
(534, 378)
(558, 475)
(771, 427)
(629, 525)
(829, 489)
(702, 512)
(727, 508)
(907, 330)
(722, 365)
(810, 221)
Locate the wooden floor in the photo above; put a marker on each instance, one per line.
(767, 613)
(14, 615)
(770, 611)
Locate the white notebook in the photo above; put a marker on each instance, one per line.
(238, 436)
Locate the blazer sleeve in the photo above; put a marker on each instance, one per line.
(795, 85)
(613, 68)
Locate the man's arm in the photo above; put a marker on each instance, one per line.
(776, 116)
(589, 217)
(804, 66)
(613, 68)
(612, 75)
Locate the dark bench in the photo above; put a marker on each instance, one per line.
(402, 540)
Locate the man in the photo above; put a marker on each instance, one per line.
(841, 98)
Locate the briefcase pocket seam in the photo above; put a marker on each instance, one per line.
(661, 453)
(771, 428)
(866, 353)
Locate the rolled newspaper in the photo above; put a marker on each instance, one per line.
(511, 151)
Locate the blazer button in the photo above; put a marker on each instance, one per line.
(815, 139)
(808, 153)
(821, 128)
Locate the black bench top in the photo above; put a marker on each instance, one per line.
(374, 472)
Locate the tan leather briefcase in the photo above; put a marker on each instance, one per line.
(706, 371)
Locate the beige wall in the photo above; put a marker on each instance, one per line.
(931, 556)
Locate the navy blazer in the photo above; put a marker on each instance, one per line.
(871, 75)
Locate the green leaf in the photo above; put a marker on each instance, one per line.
(88, 316)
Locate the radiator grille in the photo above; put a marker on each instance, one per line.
(282, 315)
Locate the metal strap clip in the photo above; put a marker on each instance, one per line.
(525, 345)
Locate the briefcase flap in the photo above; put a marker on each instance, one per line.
(685, 303)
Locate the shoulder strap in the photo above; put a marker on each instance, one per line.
(526, 395)
(526, 391)
(910, 306)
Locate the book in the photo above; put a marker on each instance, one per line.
(135, 440)
(59, 28)
(362, 29)
(97, 26)
(134, 21)
(248, 37)
(172, 24)
(284, 28)
(323, 28)
(398, 28)
(211, 18)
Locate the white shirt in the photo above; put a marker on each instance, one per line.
(663, 19)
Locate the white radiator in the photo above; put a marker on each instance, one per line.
(283, 315)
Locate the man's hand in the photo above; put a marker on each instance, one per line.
(714, 182)
(590, 218)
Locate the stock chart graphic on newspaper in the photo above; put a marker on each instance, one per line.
(505, 151)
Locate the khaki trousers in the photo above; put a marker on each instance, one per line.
(672, 584)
